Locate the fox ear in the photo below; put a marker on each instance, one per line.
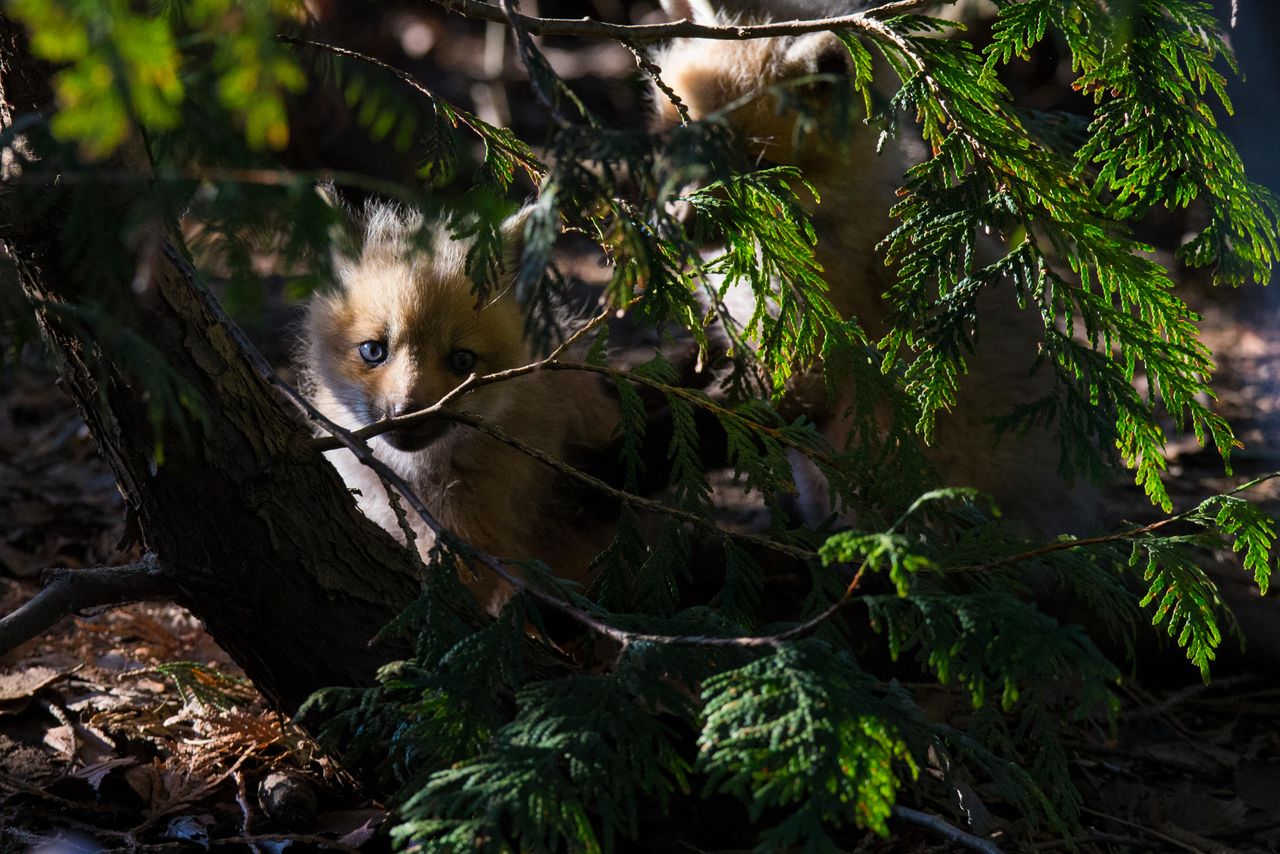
(328, 194)
(513, 239)
(344, 237)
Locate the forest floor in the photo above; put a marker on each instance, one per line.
(130, 730)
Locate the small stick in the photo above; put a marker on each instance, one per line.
(946, 829)
(67, 591)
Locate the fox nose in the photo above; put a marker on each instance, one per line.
(405, 407)
(418, 436)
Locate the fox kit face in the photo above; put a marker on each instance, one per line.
(404, 328)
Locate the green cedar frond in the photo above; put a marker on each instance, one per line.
(738, 599)
(988, 171)
(877, 551)
(1185, 599)
(617, 586)
(992, 644)
(769, 248)
(568, 772)
(1250, 529)
(201, 684)
(131, 72)
(657, 591)
(688, 479)
(804, 730)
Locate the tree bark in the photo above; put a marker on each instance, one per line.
(254, 529)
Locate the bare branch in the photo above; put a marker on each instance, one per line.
(946, 829)
(649, 67)
(551, 363)
(534, 167)
(586, 328)
(68, 591)
(637, 33)
(1128, 534)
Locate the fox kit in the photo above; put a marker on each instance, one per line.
(857, 185)
(403, 328)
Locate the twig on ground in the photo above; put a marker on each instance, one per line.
(946, 829)
(68, 591)
(300, 838)
(1142, 828)
(1097, 836)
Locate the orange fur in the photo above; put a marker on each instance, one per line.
(857, 184)
(421, 304)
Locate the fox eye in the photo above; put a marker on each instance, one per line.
(373, 352)
(461, 362)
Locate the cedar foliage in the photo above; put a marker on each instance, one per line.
(703, 700)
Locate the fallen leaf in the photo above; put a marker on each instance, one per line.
(96, 773)
(191, 828)
(61, 739)
(25, 683)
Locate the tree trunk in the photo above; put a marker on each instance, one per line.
(254, 531)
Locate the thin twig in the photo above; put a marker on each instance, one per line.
(1096, 836)
(495, 432)
(534, 61)
(679, 29)
(68, 591)
(651, 68)
(360, 449)
(482, 128)
(246, 814)
(946, 829)
(1065, 545)
(440, 409)
(586, 328)
(552, 364)
(1149, 831)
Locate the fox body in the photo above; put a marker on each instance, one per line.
(856, 184)
(402, 329)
